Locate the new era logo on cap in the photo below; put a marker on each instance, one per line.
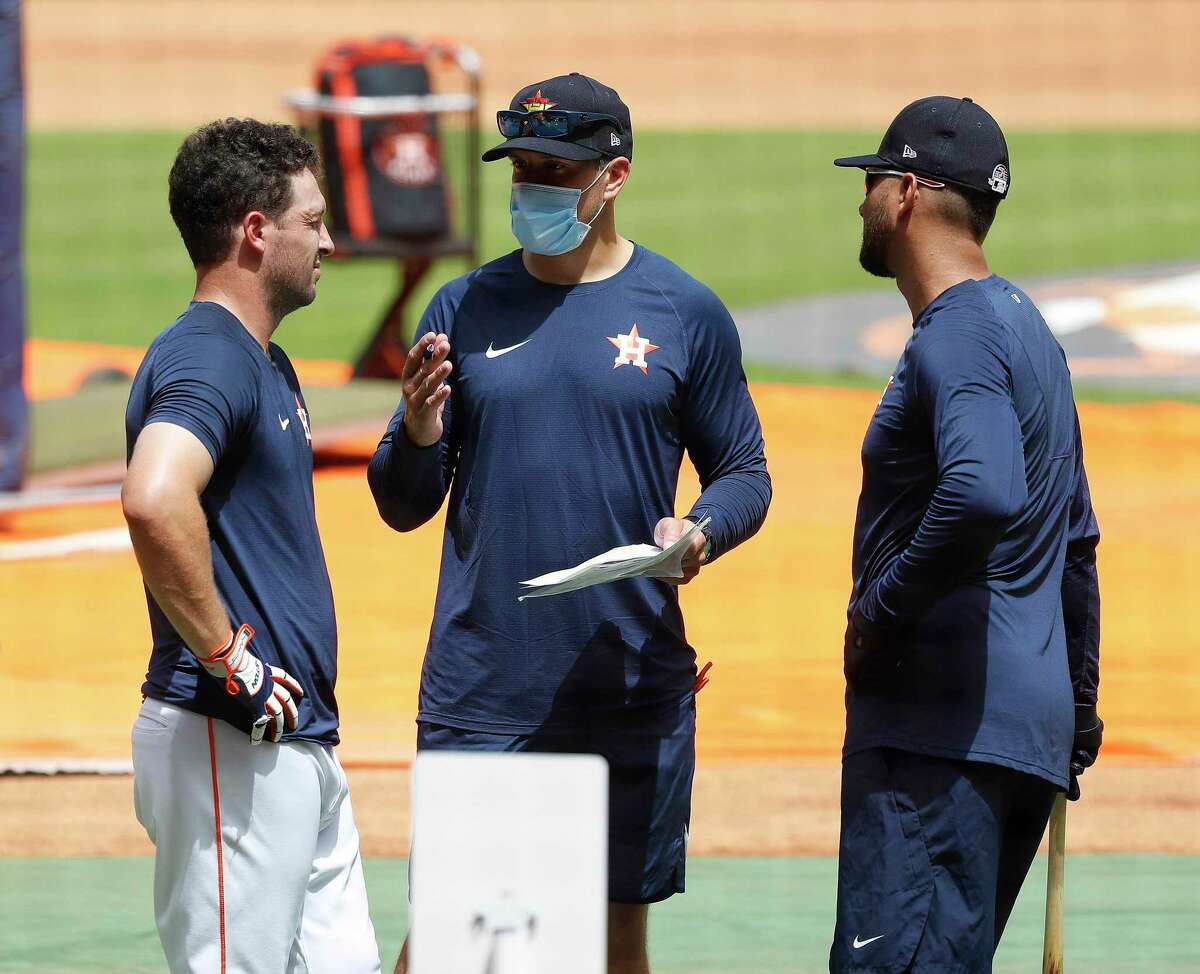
(613, 139)
(909, 152)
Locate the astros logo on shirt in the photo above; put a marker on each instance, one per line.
(632, 349)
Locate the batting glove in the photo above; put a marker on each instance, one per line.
(1089, 732)
(270, 703)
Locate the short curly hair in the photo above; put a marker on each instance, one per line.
(227, 168)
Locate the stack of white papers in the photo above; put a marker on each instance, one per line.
(628, 561)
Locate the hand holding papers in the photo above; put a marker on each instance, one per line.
(628, 561)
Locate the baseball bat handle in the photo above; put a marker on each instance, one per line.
(1056, 870)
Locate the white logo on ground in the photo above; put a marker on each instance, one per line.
(283, 423)
(497, 352)
(862, 943)
(613, 139)
(999, 180)
(909, 152)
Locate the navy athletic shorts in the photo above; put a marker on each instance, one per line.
(933, 854)
(650, 768)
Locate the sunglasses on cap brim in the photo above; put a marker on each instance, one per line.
(877, 171)
(550, 123)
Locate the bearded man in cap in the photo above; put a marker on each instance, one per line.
(972, 650)
(552, 394)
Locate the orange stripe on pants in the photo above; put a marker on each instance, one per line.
(212, 757)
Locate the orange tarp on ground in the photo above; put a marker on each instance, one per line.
(54, 368)
(771, 614)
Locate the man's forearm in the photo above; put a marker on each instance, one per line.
(962, 523)
(171, 542)
(1081, 616)
(737, 504)
(407, 481)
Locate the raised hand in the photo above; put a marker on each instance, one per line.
(423, 384)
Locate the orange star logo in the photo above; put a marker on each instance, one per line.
(632, 349)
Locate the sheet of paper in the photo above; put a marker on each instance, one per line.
(627, 561)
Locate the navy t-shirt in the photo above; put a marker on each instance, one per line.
(974, 503)
(571, 410)
(207, 374)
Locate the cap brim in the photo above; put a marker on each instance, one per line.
(862, 162)
(559, 148)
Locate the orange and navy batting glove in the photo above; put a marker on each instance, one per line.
(270, 703)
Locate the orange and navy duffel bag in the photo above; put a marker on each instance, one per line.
(384, 176)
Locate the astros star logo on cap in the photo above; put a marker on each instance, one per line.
(538, 103)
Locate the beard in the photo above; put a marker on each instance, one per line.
(875, 239)
(290, 287)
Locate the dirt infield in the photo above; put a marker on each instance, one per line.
(770, 614)
(685, 63)
(759, 810)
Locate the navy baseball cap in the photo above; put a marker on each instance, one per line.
(951, 140)
(572, 92)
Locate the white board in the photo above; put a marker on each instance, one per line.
(509, 863)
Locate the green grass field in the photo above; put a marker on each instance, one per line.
(757, 216)
(1124, 914)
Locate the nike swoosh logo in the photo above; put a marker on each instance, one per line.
(497, 352)
(283, 423)
(862, 943)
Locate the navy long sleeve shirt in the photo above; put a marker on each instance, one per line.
(974, 545)
(570, 412)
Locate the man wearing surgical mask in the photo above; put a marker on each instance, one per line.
(552, 393)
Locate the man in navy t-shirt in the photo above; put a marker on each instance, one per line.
(972, 651)
(553, 393)
(256, 852)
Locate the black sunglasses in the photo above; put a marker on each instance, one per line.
(550, 123)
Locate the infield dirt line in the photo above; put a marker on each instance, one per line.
(756, 810)
(679, 63)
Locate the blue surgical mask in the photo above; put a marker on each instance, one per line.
(545, 219)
